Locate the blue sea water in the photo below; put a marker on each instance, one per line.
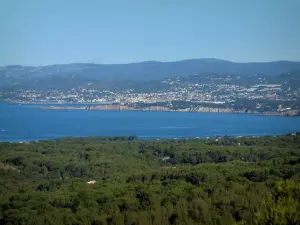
(29, 122)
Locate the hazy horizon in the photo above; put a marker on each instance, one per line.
(154, 61)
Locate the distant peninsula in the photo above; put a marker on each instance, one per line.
(168, 109)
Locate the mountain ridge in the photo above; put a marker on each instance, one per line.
(144, 71)
(155, 61)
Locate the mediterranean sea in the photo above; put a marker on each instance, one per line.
(25, 122)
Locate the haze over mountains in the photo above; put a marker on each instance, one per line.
(16, 75)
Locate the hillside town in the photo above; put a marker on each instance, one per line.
(182, 93)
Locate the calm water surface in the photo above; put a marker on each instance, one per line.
(28, 122)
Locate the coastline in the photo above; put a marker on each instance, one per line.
(292, 113)
(113, 107)
(215, 137)
(51, 103)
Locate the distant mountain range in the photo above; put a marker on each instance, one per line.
(142, 71)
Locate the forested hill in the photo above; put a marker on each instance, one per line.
(123, 180)
(142, 71)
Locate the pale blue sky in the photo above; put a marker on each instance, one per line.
(37, 32)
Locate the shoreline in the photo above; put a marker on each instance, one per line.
(219, 137)
(292, 113)
(111, 107)
(54, 103)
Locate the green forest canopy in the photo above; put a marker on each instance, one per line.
(225, 180)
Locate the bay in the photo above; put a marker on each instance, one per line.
(29, 122)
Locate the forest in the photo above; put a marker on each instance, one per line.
(130, 181)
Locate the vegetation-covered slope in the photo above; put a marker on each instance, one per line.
(72, 74)
(184, 181)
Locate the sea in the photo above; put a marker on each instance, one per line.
(27, 122)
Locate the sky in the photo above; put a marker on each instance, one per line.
(37, 32)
